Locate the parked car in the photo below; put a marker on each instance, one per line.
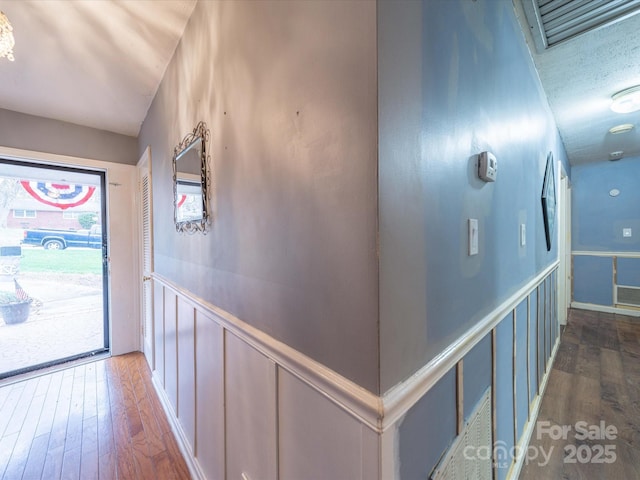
(60, 239)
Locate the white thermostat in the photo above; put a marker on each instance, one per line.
(487, 167)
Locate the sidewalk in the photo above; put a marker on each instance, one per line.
(66, 319)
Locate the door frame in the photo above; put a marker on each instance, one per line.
(564, 277)
(32, 166)
(122, 225)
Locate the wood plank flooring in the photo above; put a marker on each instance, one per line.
(100, 420)
(595, 379)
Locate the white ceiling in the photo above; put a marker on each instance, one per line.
(96, 63)
(579, 76)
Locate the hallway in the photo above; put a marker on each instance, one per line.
(99, 420)
(595, 380)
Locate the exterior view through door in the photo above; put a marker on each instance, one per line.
(53, 265)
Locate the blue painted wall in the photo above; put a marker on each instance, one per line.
(455, 79)
(629, 272)
(477, 375)
(541, 322)
(593, 280)
(429, 429)
(505, 436)
(597, 218)
(533, 355)
(555, 330)
(521, 390)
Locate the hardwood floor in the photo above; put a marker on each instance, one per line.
(100, 420)
(595, 379)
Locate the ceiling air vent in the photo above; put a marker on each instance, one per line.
(553, 21)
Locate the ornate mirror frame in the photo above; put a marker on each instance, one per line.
(197, 139)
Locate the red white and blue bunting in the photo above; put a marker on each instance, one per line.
(59, 195)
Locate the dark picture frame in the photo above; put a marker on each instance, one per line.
(549, 200)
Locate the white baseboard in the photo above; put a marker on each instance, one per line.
(605, 309)
(181, 438)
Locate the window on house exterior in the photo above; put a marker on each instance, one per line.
(21, 213)
(69, 215)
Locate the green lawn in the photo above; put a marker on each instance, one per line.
(80, 260)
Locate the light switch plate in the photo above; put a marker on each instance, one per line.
(626, 232)
(473, 236)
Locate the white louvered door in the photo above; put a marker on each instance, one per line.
(146, 254)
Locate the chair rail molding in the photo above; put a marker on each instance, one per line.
(376, 412)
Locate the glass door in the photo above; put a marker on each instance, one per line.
(53, 265)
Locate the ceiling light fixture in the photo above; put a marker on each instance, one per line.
(6, 38)
(624, 128)
(627, 100)
(617, 155)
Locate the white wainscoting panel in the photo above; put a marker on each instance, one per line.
(170, 350)
(158, 332)
(317, 439)
(246, 407)
(370, 453)
(209, 449)
(187, 370)
(225, 393)
(250, 393)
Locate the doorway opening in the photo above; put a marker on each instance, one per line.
(53, 265)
